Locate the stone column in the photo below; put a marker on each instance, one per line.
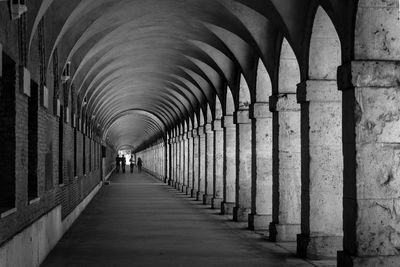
(322, 171)
(195, 163)
(190, 163)
(180, 161)
(261, 200)
(242, 207)
(184, 163)
(202, 163)
(229, 165)
(287, 181)
(175, 159)
(218, 165)
(169, 161)
(371, 149)
(209, 181)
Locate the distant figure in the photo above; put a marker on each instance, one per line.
(123, 163)
(132, 163)
(139, 164)
(117, 163)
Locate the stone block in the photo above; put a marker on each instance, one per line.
(207, 199)
(241, 214)
(378, 171)
(227, 208)
(347, 260)
(216, 203)
(260, 110)
(259, 222)
(378, 230)
(287, 232)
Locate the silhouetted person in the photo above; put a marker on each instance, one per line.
(139, 164)
(123, 163)
(117, 163)
(132, 163)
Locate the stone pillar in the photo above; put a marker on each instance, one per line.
(287, 180)
(322, 169)
(218, 165)
(195, 163)
(180, 163)
(242, 207)
(190, 163)
(202, 163)
(184, 163)
(169, 161)
(209, 181)
(229, 165)
(371, 149)
(261, 200)
(175, 159)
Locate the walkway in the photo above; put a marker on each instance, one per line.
(139, 221)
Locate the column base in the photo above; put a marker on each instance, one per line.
(227, 208)
(259, 222)
(170, 182)
(241, 214)
(207, 199)
(183, 188)
(347, 260)
(318, 247)
(284, 232)
(176, 185)
(216, 203)
(188, 190)
(199, 196)
(193, 193)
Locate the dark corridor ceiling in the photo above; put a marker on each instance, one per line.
(145, 65)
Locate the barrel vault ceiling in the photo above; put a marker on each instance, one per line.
(142, 67)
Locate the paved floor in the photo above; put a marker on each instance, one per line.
(139, 221)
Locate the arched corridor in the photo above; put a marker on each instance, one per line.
(281, 116)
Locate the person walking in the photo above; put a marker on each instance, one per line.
(117, 163)
(123, 163)
(132, 163)
(139, 164)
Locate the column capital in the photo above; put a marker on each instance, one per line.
(242, 117)
(260, 110)
(360, 73)
(217, 125)
(227, 121)
(284, 102)
(208, 128)
(189, 134)
(201, 130)
(318, 91)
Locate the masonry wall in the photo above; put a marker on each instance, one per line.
(59, 199)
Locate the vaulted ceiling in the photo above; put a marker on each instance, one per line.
(144, 66)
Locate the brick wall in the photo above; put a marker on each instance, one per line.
(14, 155)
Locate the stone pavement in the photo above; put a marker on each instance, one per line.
(139, 221)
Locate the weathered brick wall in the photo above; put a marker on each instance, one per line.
(14, 154)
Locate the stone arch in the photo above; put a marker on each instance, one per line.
(289, 70)
(209, 114)
(218, 109)
(322, 158)
(286, 150)
(244, 99)
(229, 103)
(201, 118)
(263, 83)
